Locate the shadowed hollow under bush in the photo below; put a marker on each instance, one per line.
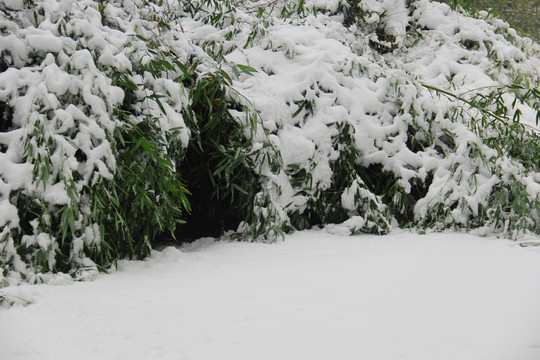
(218, 163)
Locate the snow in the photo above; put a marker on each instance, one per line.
(314, 296)
(44, 42)
(330, 103)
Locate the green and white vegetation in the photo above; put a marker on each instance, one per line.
(125, 121)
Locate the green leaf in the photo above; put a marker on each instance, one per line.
(247, 69)
(140, 37)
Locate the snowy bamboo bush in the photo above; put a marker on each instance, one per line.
(121, 119)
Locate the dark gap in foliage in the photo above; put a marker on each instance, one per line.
(323, 208)
(28, 210)
(471, 44)
(378, 181)
(6, 117)
(384, 184)
(384, 43)
(80, 156)
(351, 11)
(414, 142)
(4, 63)
(418, 191)
(217, 164)
(209, 216)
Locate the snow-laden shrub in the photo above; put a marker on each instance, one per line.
(88, 127)
(410, 102)
(118, 118)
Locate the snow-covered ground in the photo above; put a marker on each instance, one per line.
(313, 296)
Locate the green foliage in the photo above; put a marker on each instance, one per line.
(465, 5)
(371, 21)
(296, 9)
(219, 162)
(509, 208)
(215, 12)
(351, 11)
(105, 184)
(146, 198)
(349, 179)
(499, 124)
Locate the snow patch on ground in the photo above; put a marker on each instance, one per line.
(314, 296)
